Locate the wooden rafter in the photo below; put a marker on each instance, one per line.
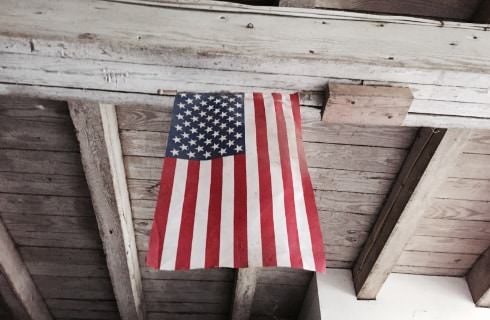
(479, 280)
(51, 53)
(19, 291)
(246, 282)
(100, 148)
(426, 167)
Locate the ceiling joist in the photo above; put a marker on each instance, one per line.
(102, 160)
(19, 290)
(246, 282)
(69, 51)
(432, 156)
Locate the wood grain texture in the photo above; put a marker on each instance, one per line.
(245, 284)
(452, 9)
(459, 210)
(479, 280)
(18, 277)
(89, 60)
(367, 105)
(100, 148)
(429, 162)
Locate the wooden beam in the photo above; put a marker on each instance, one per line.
(21, 293)
(482, 13)
(39, 48)
(479, 280)
(310, 310)
(455, 9)
(367, 105)
(13, 303)
(100, 148)
(427, 166)
(246, 282)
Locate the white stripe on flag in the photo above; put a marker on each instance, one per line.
(198, 252)
(253, 200)
(299, 201)
(172, 232)
(278, 211)
(226, 252)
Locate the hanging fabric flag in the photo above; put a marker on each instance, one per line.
(235, 189)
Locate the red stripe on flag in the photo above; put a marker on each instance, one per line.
(240, 209)
(265, 189)
(287, 181)
(311, 210)
(157, 234)
(214, 217)
(183, 259)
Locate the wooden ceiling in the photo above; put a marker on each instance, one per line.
(48, 210)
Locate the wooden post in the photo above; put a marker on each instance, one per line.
(102, 160)
(22, 295)
(432, 156)
(479, 280)
(246, 282)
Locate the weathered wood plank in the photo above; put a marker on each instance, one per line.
(472, 166)
(367, 105)
(345, 229)
(81, 54)
(429, 162)
(65, 262)
(428, 271)
(437, 259)
(83, 309)
(75, 288)
(455, 9)
(40, 110)
(45, 162)
(188, 291)
(466, 189)
(55, 231)
(447, 244)
(15, 271)
(245, 284)
(459, 210)
(187, 307)
(46, 205)
(36, 135)
(479, 280)
(479, 142)
(454, 228)
(98, 135)
(43, 184)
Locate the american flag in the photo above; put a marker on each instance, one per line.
(235, 189)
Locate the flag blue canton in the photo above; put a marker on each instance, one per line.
(206, 126)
